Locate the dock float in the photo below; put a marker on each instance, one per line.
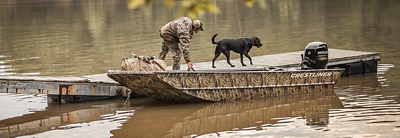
(99, 86)
(63, 88)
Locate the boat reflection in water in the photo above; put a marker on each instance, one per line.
(370, 109)
(184, 120)
(148, 118)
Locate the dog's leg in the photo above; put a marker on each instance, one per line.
(217, 53)
(227, 55)
(241, 59)
(248, 56)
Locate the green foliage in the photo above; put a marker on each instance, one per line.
(192, 8)
(133, 4)
(250, 3)
(169, 3)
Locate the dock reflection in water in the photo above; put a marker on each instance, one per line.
(68, 120)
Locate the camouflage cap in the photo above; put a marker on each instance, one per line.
(198, 24)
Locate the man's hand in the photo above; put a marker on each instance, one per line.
(190, 66)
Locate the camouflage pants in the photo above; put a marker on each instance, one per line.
(175, 50)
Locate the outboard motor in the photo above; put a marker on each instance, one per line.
(315, 56)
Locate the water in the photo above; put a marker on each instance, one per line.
(76, 38)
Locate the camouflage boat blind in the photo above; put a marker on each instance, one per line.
(219, 86)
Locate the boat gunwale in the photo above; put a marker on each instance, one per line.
(257, 87)
(216, 71)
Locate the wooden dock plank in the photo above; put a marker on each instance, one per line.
(45, 78)
(95, 78)
(99, 78)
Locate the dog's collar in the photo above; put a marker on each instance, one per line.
(252, 41)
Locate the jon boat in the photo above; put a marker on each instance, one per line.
(225, 85)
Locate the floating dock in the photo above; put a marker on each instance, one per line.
(355, 62)
(99, 86)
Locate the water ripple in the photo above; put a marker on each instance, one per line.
(14, 105)
(96, 129)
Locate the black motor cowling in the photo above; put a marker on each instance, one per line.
(315, 56)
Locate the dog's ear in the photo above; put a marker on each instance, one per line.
(256, 38)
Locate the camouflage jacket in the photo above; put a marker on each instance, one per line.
(179, 31)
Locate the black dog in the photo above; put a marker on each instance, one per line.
(240, 45)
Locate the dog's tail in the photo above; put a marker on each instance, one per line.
(214, 38)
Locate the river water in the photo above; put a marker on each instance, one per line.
(78, 37)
